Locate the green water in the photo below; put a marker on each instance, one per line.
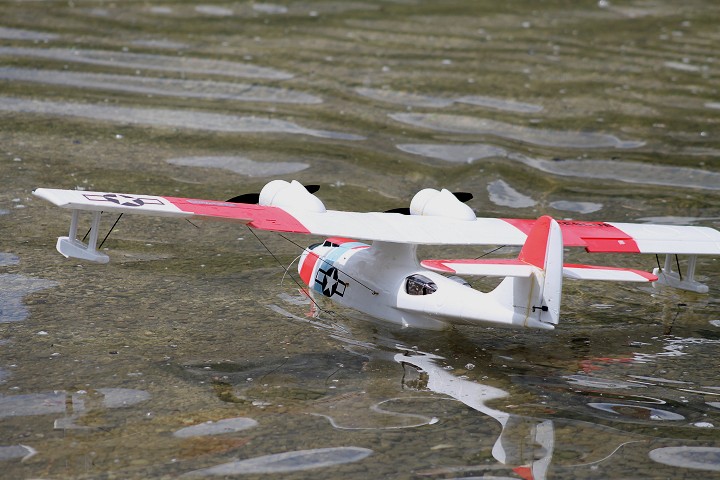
(590, 110)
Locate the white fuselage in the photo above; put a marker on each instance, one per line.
(374, 280)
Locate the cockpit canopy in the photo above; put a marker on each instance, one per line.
(419, 285)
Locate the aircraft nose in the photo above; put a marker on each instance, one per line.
(303, 256)
(307, 262)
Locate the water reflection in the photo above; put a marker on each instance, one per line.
(269, 8)
(13, 288)
(214, 10)
(241, 165)
(524, 443)
(59, 401)
(287, 462)
(417, 100)
(160, 43)
(595, 381)
(673, 347)
(616, 170)
(577, 207)
(700, 458)
(164, 63)
(8, 259)
(349, 412)
(167, 118)
(685, 67)
(22, 452)
(210, 90)
(635, 411)
(73, 406)
(455, 153)
(22, 34)
(221, 427)
(629, 172)
(534, 136)
(504, 195)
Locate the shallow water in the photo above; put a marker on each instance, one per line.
(192, 354)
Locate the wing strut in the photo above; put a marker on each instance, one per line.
(667, 276)
(70, 246)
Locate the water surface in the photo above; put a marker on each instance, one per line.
(194, 354)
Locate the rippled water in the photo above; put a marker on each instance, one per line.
(193, 354)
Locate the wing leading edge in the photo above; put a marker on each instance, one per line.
(595, 237)
(375, 226)
(438, 219)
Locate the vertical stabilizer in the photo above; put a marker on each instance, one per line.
(536, 300)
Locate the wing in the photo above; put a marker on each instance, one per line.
(607, 237)
(393, 227)
(386, 227)
(289, 207)
(262, 217)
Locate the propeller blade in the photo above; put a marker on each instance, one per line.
(402, 211)
(463, 196)
(253, 198)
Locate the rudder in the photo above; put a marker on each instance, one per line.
(536, 300)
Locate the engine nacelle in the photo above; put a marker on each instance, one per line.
(443, 203)
(290, 196)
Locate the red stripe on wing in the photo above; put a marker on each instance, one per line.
(596, 237)
(257, 216)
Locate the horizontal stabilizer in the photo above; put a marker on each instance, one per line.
(591, 272)
(518, 268)
(482, 268)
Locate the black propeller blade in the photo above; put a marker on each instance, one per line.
(402, 210)
(245, 198)
(254, 198)
(462, 196)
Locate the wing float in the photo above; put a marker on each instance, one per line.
(386, 279)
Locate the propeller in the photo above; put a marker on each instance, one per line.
(254, 198)
(462, 196)
(401, 210)
(245, 198)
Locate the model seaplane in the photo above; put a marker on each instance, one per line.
(386, 280)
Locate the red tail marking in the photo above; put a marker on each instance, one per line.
(535, 249)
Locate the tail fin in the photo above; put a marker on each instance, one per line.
(535, 300)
